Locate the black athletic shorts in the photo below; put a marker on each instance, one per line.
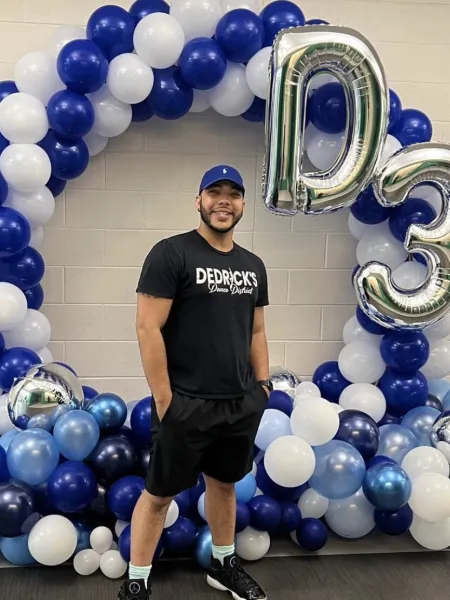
(214, 437)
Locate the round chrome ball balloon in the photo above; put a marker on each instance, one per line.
(42, 390)
(284, 380)
(440, 434)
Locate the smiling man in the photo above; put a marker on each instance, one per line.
(200, 325)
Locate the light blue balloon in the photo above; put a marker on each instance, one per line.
(245, 488)
(58, 412)
(15, 550)
(420, 421)
(274, 424)
(7, 438)
(446, 401)
(203, 547)
(76, 434)
(339, 471)
(201, 506)
(32, 456)
(396, 441)
(438, 388)
(41, 421)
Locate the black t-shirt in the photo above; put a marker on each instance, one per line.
(208, 333)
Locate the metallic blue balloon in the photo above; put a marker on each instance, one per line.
(420, 421)
(396, 441)
(446, 401)
(32, 456)
(76, 434)
(7, 438)
(42, 421)
(360, 431)
(203, 547)
(435, 403)
(113, 457)
(379, 458)
(438, 388)
(16, 506)
(72, 487)
(330, 380)
(109, 410)
(123, 496)
(394, 523)
(387, 486)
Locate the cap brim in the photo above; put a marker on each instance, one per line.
(220, 180)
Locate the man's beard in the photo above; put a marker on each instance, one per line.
(206, 218)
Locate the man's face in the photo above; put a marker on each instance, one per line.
(221, 206)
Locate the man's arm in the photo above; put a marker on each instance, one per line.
(259, 353)
(151, 316)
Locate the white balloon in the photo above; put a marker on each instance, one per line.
(23, 119)
(273, 424)
(254, 469)
(391, 145)
(200, 102)
(101, 539)
(45, 355)
(439, 330)
(322, 148)
(364, 397)
(353, 332)
(433, 536)
(25, 167)
(86, 562)
(13, 306)
(361, 362)
(37, 237)
(172, 514)
(312, 505)
(158, 40)
(95, 143)
(430, 497)
(198, 18)
(52, 540)
(380, 245)
(112, 117)
(351, 517)
(438, 363)
(252, 544)
(63, 35)
(253, 5)
(257, 72)
(34, 332)
(307, 387)
(37, 207)
(425, 460)
(129, 79)
(321, 79)
(5, 422)
(120, 526)
(409, 275)
(36, 74)
(357, 229)
(336, 407)
(112, 564)
(232, 96)
(289, 461)
(314, 421)
(430, 194)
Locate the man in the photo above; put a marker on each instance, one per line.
(200, 325)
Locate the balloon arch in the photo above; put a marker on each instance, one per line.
(363, 446)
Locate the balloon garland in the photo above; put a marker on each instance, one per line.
(362, 446)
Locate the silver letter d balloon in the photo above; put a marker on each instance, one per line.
(300, 53)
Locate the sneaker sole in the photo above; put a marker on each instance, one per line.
(221, 588)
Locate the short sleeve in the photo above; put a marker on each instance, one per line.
(161, 272)
(263, 288)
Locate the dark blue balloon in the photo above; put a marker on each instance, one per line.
(279, 400)
(265, 513)
(2, 344)
(394, 523)
(257, 111)
(14, 363)
(123, 496)
(405, 351)
(112, 458)
(72, 486)
(240, 34)
(368, 210)
(171, 97)
(367, 323)
(330, 380)
(63, 364)
(109, 410)
(82, 67)
(35, 297)
(242, 516)
(290, 517)
(16, 505)
(145, 458)
(69, 158)
(143, 8)
(272, 489)
(111, 28)
(3, 189)
(7, 88)
(4, 473)
(403, 392)
(434, 403)
(312, 534)
(4, 143)
(414, 210)
(83, 534)
(195, 493)
(316, 22)
(413, 127)
(125, 544)
(378, 459)
(360, 431)
(279, 15)
(89, 392)
(56, 186)
(179, 539)
(389, 420)
(15, 232)
(183, 499)
(202, 63)
(70, 114)
(395, 110)
(142, 111)
(24, 269)
(327, 108)
(387, 486)
(141, 421)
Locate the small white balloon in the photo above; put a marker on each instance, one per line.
(86, 562)
(439, 330)
(159, 40)
(409, 275)
(320, 80)
(172, 514)
(112, 117)
(34, 332)
(45, 355)
(252, 544)
(37, 207)
(307, 387)
(257, 72)
(63, 35)
(13, 306)
(430, 194)
(36, 74)
(357, 229)
(129, 79)
(232, 96)
(312, 505)
(52, 540)
(200, 102)
(198, 18)
(353, 332)
(112, 564)
(37, 237)
(380, 245)
(361, 362)
(25, 167)
(433, 536)
(23, 119)
(322, 149)
(425, 459)
(289, 461)
(430, 497)
(101, 539)
(366, 398)
(438, 363)
(119, 527)
(391, 146)
(314, 421)
(95, 143)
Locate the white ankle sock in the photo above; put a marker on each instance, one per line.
(139, 572)
(221, 552)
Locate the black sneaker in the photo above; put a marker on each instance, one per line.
(134, 589)
(232, 577)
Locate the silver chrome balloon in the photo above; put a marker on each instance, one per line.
(42, 389)
(283, 379)
(440, 434)
(298, 54)
(384, 302)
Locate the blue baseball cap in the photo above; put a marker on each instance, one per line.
(221, 173)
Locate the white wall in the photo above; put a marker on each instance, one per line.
(142, 189)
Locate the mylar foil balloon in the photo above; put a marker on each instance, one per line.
(284, 380)
(42, 390)
(440, 434)
(298, 54)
